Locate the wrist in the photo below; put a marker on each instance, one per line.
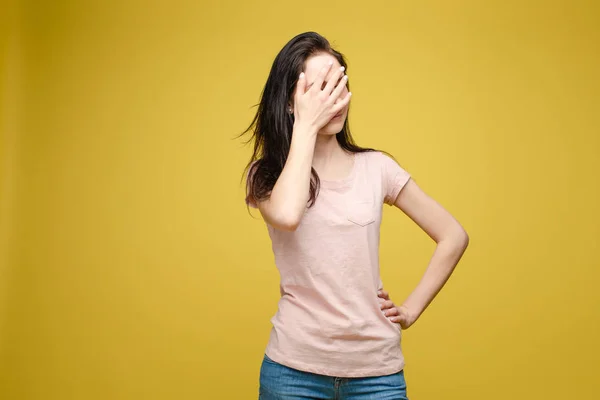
(305, 129)
(412, 312)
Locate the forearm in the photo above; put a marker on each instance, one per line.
(445, 258)
(290, 193)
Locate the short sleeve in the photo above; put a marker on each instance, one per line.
(394, 179)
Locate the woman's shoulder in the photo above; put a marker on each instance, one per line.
(377, 156)
(382, 162)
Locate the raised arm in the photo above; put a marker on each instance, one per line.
(313, 109)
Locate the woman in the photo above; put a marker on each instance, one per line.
(336, 334)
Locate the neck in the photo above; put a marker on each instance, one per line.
(326, 150)
(329, 159)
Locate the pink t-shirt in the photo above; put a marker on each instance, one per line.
(329, 319)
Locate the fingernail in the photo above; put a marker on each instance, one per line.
(342, 69)
(301, 75)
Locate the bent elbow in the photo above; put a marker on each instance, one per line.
(457, 238)
(288, 222)
(288, 226)
(462, 239)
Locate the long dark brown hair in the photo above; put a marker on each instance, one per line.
(272, 125)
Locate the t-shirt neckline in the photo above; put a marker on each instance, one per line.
(344, 181)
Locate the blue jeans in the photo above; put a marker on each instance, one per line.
(278, 382)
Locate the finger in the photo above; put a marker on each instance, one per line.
(339, 88)
(300, 86)
(383, 294)
(391, 312)
(387, 304)
(334, 80)
(341, 104)
(321, 77)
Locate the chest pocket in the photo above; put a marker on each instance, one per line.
(361, 212)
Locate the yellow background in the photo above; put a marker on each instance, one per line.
(130, 268)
